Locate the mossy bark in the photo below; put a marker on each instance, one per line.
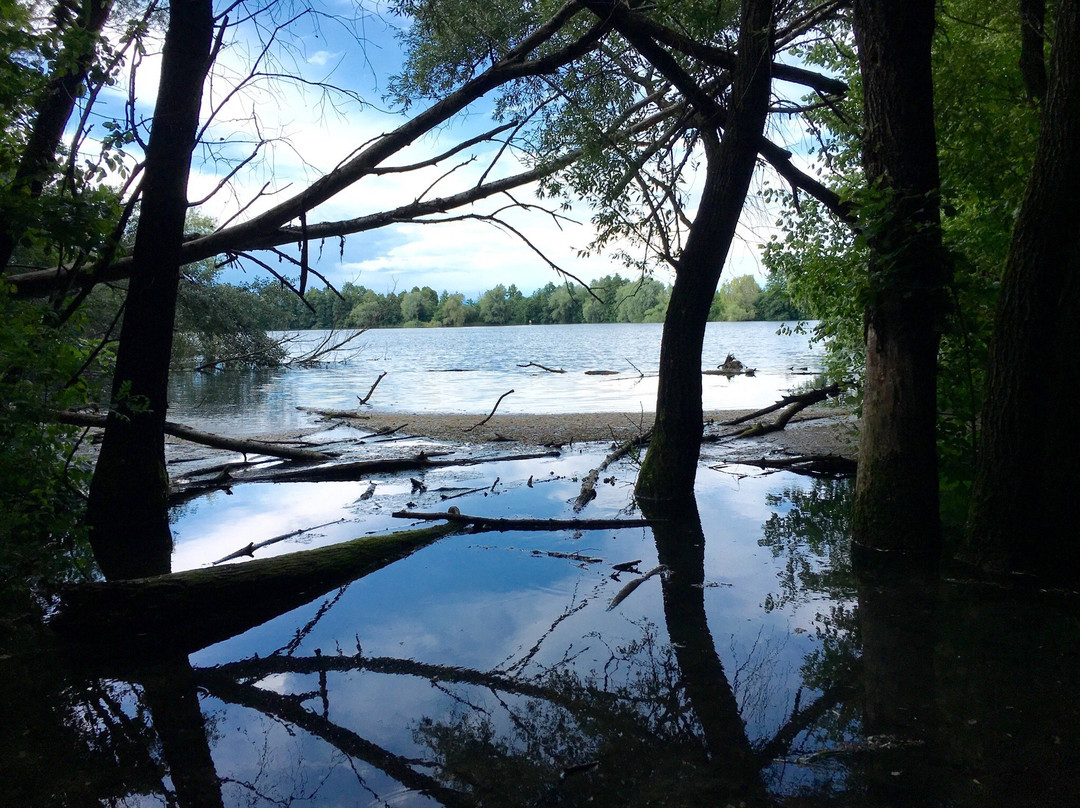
(185, 611)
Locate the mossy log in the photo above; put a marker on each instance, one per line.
(185, 611)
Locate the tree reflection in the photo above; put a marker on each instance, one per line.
(919, 691)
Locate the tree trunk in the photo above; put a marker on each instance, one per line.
(128, 518)
(670, 465)
(1023, 511)
(896, 500)
(52, 112)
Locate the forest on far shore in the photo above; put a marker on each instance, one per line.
(612, 299)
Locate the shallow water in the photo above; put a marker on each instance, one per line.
(488, 669)
(757, 668)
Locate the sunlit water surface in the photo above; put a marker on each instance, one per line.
(466, 370)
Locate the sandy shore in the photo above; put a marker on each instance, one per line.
(814, 431)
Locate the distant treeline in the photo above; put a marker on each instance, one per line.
(617, 300)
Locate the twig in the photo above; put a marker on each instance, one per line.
(497, 403)
(250, 549)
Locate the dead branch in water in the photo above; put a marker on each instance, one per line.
(483, 523)
(364, 400)
(542, 367)
(497, 403)
(588, 484)
(624, 593)
(811, 465)
(243, 446)
(794, 404)
(344, 472)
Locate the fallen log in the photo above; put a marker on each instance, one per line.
(794, 404)
(811, 465)
(242, 445)
(340, 472)
(484, 523)
(360, 469)
(185, 611)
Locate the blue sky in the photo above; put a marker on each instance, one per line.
(309, 136)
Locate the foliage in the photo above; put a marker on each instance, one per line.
(41, 499)
(986, 131)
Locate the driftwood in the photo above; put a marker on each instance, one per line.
(342, 472)
(207, 439)
(497, 403)
(185, 611)
(542, 367)
(812, 465)
(588, 484)
(483, 523)
(364, 400)
(794, 404)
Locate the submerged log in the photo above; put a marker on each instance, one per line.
(241, 445)
(483, 523)
(185, 611)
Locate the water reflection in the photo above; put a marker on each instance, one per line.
(914, 689)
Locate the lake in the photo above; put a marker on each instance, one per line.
(457, 370)
(729, 655)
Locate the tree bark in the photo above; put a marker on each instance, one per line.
(670, 466)
(127, 514)
(896, 501)
(1023, 509)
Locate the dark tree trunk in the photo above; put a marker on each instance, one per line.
(52, 112)
(670, 465)
(1032, 46)
(896, 501)
(128, 518)
(1024, 514)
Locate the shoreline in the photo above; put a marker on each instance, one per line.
(813, 431)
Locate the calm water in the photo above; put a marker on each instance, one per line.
(467, 369)
(497, 669)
